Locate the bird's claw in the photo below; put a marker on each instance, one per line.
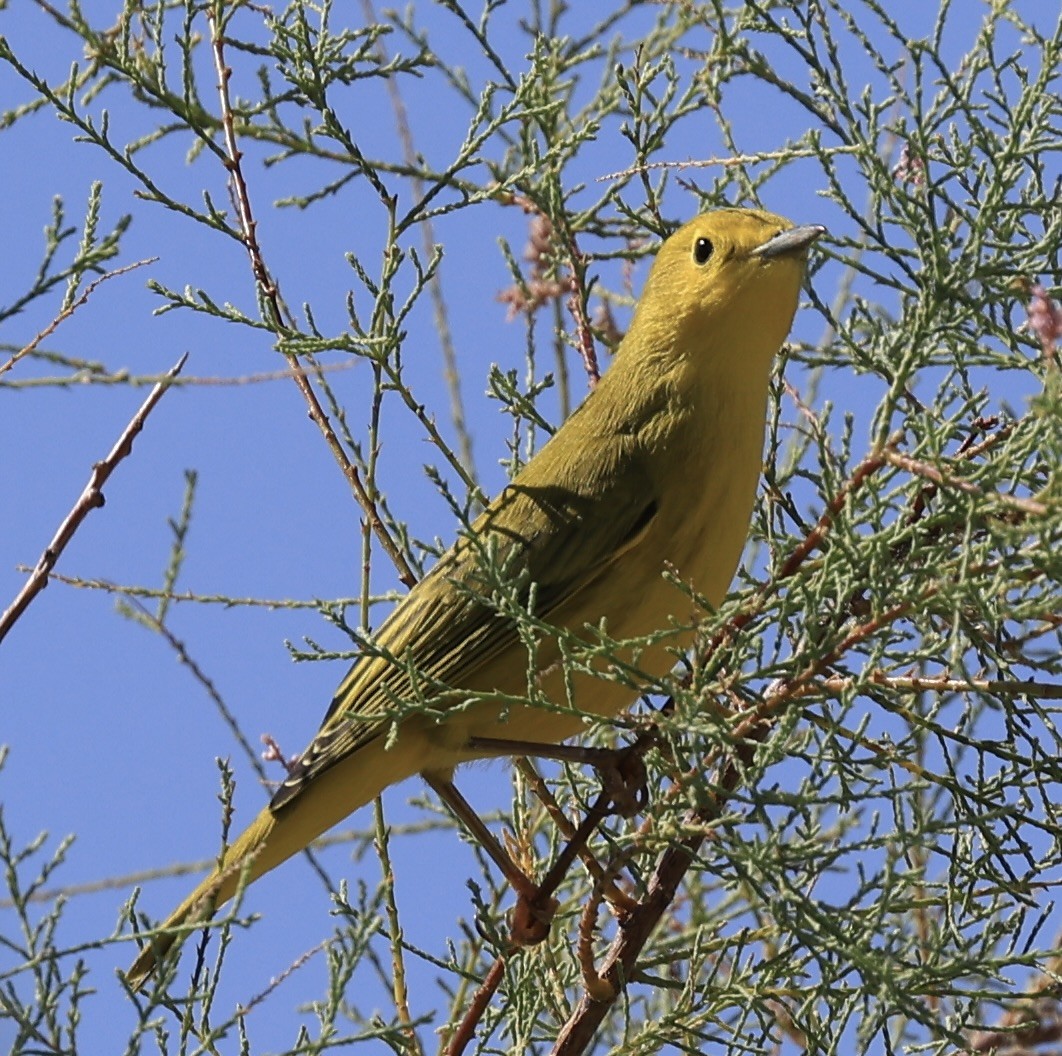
(530, 919)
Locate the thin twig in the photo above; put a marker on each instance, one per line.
(153, 623)
(358, 837)
(271, 295)
(577, 305)
(440, 314)
(785, 153)
(88, 373)
(870, 465)
(943, 684)
(295, 965)
(90, 499)
(814, 539)
(393, 929)
(227, 600)
(944, 480)
(70, 309)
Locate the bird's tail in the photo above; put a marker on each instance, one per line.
(272, 838)
(257, 851)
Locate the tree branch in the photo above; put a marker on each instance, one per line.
(90, 499)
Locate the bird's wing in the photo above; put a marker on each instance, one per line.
(539, 543)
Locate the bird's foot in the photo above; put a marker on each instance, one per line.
(531, 918)
(533, 913)
(622, 770)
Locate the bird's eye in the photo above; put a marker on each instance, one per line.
(702, 250)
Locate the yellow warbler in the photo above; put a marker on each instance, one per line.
(656, 470)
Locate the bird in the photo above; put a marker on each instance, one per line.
(650, 483)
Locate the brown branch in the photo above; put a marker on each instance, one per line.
(944, 480)
(270, 293)
(577, 306)
(621, 960)
(598, 989)
(870, 465)
(90, 499)
(814, 539)
(967, 450)
(481, 1000)
(1034, 1019)
(529, 911)
(752, 728)
(1050, 622)
(1032, 1023)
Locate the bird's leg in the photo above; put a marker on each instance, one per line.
(622, 770)
(465, 813)
(534, 909)
(577, 842)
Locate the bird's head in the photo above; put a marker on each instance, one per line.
(727, 280)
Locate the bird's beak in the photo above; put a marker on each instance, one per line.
(795, 240)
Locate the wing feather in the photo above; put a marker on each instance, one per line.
(540, 534)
